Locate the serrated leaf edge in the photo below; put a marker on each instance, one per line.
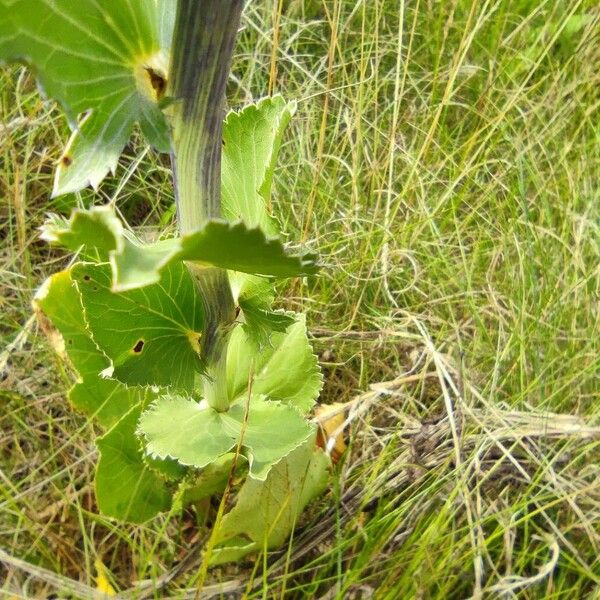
(299, 317)
(249, 455)
(308, 261)
(283, 456)
(289, 106)
(142, 435)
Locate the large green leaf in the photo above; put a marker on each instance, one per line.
(272, 431)
(219, 243)
(58, 301)
(107, 400)
(251, 141)
(126, 487)
(182, 429)
(107, 60)
(196, 435)
(287, 370)
(151, 335)
(266, 511)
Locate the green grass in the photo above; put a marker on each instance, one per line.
(445, 162)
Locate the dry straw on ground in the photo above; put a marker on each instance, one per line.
(480, 450)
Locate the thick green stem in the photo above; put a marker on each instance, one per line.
(204, 37)
(219, 315)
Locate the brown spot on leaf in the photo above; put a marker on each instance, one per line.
(139, 346)
(158, 82)
(66, 160)
(54, 336)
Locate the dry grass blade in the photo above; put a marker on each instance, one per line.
(49, 578)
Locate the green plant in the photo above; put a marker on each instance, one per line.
(179, 354)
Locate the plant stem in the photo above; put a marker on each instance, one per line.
(219, 316)
(203, 40)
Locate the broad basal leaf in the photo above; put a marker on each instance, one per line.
(58, 306)
(196, 435)
(107, 400)
(151, 335)
(126, 487)
(59, 309)
(219, 243)
(251, 140)
(102, 60)
(266, 511)
(287, 370)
